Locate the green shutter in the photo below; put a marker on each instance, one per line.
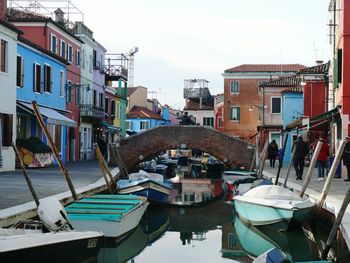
(238, 113)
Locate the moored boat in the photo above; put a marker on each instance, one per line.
(150, 185)
(114, 215)
(272, 205)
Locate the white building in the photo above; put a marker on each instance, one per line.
(8, 54)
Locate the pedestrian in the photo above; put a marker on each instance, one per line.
(346, 157)
(301, 150)
(322, 159)
(272, 151)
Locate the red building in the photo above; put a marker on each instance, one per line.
(53, 36)
(218, 110)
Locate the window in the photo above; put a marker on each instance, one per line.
(234, 87)
(77, 58)
(144, 125)
(63, 49)
(106, 105)
(113, 109)
(6, 129)
(128, 125)
(47, 78)
(208, 121)
(37, 78)
(3, 56)
(276, 105)
(69, 91)
(95, 98)
(21, 127)
(53, 44)
(95, 59)
(61, 83)
(20, 71)
(340, 65)
(77, 94)
(70, 54)
(101, 101)
(235, 113)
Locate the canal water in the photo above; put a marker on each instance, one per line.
(211, 233)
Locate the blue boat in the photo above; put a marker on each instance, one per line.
(114, 215)
(150, 185)
(272, 205)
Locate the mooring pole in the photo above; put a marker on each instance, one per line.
(332, 172)
(253, 160)
(336, 225)
(29, 182)
(54, 149)
(311, 168)
(262, 160)
(104, 172)
(289, 167)
(281, 161)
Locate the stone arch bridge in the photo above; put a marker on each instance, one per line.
(232, 151)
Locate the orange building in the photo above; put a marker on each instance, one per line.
(245, 104)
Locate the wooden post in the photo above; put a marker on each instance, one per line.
(331, 173)
(117, 158)
(336, 225)
(104, 173)
(289, 167)
(263, 160)
(54, 149)
(253, 159)
(36, 199)
(311, 168)
(281, 161)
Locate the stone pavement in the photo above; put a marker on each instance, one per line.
(46, 182)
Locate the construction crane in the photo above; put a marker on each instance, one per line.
(131, 57)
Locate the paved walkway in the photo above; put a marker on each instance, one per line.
(46, 182)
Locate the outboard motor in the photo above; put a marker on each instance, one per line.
(52, 215)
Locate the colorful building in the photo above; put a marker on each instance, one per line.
(42, 78)
(53, 36)
(245, 104)
(8, 77)
(218, 110)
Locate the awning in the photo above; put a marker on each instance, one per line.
(294, 124)
(52, 116)
(110, 127)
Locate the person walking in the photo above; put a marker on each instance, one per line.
(322, 159)
(301, 150)
(272, 151)
(346, 157)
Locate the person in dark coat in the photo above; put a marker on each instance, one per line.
(301, 150)
(272, 151)
(346, 158)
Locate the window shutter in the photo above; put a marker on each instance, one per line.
(238, 113)
(231, 113)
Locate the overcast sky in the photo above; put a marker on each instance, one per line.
(182, 39)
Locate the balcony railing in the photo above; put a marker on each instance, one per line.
(89, 110)
(116, 67)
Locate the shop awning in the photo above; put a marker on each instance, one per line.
(52, 116)
(110, 127)
(294, 124)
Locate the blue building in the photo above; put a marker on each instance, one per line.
(140, 118)
(41, 76)
(292, 111)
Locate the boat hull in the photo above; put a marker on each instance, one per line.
(114, 221)
(51, 247)
(260, 215)
(152, 190)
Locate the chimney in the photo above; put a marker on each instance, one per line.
(319, 62)
(59, 16)
(3, 9)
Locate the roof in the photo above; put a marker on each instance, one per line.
(47, 52)
(10, 26)
(266, 68)
(318, 69)
(194, 105)
(297, 89)
(282, 82)
(16, 15)
(141, 112)
(131, 90)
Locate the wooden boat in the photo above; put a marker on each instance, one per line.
(150, 185)
(272, 204)
(48, 240)
(114, 215)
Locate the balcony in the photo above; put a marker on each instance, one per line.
(92, 112)
(116, 67)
